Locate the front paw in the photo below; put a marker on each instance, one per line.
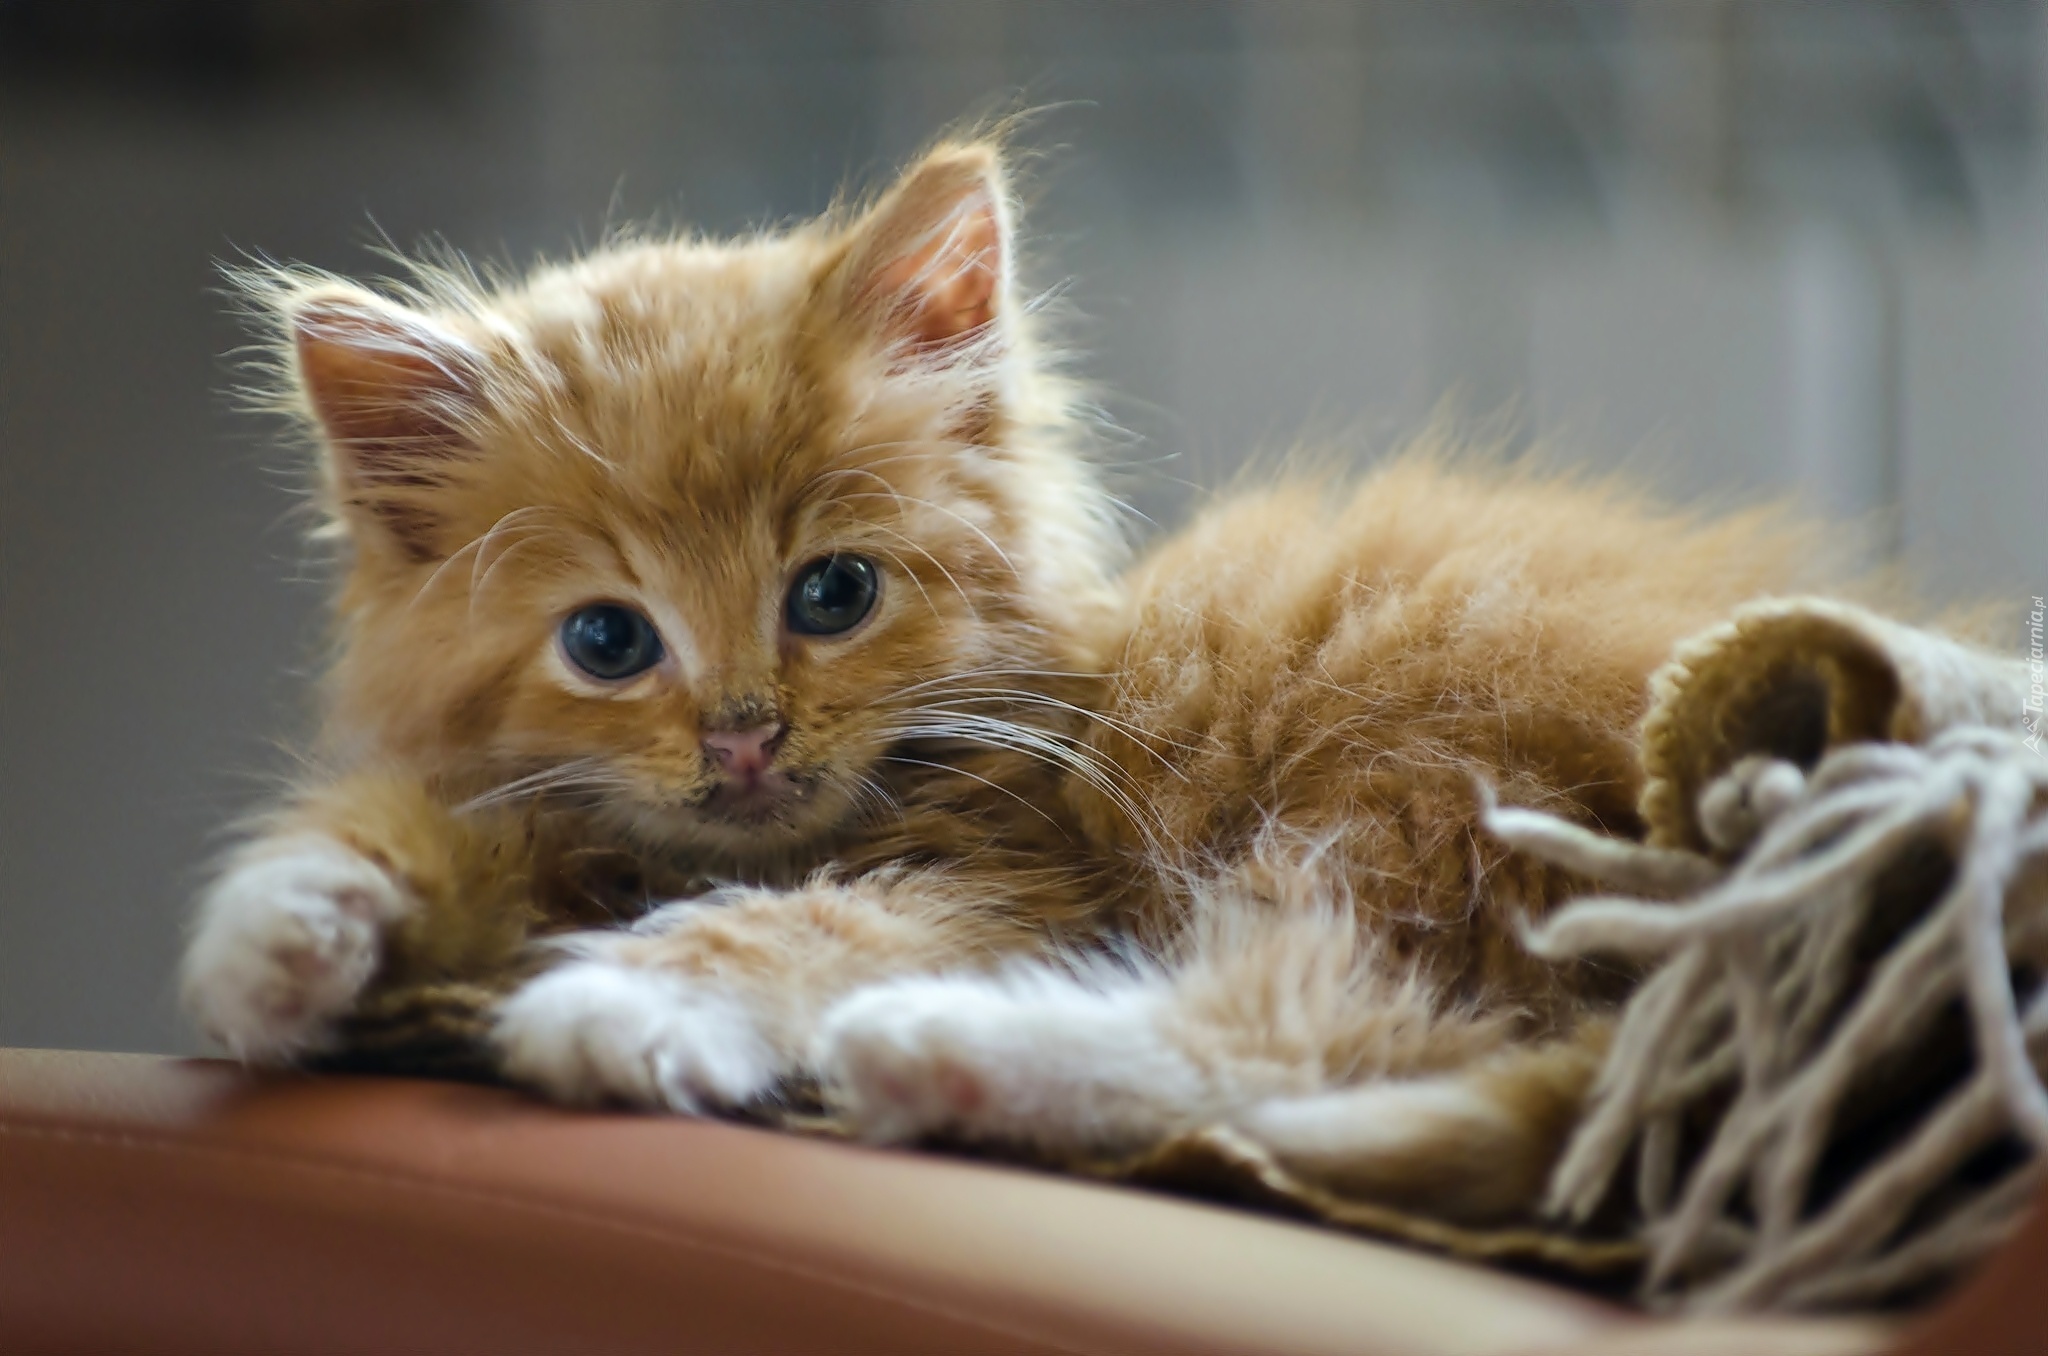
(285, 942)
(595, 1031)
(910, 1059)
(1037, 1060)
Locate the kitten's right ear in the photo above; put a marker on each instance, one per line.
(394, 395)
(932, 258)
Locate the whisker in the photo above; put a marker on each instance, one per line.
(1112, 782)
(1064, 748)
(911, 575)
(954, 514)
(916, 449)
(516, 519)
(993, 786)
(871, 792)
(1144, 739)
(945, 685)
(965, 597)
(585, 773)
(440, 570)
(965, 675)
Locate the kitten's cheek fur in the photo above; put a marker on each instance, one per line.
(1039, 1061)
(595, 1031)
(284, 943)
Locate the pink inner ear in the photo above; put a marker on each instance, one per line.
(950, 285)
(383, 388)
(390, 391)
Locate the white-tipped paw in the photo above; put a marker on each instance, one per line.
(1040, 1060)
(285, 942)
(900, 1063)
(1441, 1143)
(595, 1031)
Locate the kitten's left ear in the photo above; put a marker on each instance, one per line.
(932, 259)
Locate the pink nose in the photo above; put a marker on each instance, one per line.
(744, 754)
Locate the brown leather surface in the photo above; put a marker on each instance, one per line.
(1741, 1337)
(163, 1206)
(2001, 1311)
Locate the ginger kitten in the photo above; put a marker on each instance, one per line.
(744, 618)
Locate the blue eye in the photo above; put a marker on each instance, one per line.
(832, 595)
(610, 642)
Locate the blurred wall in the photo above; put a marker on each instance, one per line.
(1744, 248)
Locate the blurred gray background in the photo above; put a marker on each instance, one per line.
(1746, 248)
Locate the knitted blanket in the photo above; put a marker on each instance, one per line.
(1828, 1093)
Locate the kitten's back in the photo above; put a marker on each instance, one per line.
(1334, 667)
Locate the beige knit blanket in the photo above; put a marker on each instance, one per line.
(1828, 1093)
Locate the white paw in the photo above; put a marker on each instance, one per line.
(1037, 1059)
(1441, 1144)
(284, 943)
(1327, 1131)
(594, 1031)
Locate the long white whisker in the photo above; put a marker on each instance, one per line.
(992, 671)
(1062, 748)
(972, 610)
(872, 792)
(505, 553)
(911, 575)
(1111, 781)
(915, 449)
(579, 772)
(1144, 739)
(954, 514)
(441, 569)
(517, 518)
(947, 767)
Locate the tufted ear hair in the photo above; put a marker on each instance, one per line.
(393, 394)
(932, 258)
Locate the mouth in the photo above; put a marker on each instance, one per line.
(755, 800)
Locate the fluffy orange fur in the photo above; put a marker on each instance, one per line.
(1044, 849)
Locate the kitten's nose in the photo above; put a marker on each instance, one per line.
(744, 754)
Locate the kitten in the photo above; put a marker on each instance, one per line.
(746, 619)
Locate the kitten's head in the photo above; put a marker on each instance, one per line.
(695, 530)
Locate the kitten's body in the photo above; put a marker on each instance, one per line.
(1232, 793)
